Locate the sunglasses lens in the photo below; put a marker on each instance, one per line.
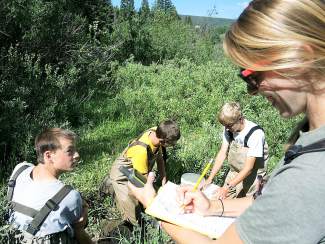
(251, 90)
(251, 79)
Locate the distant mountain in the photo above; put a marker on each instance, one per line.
(208, 21)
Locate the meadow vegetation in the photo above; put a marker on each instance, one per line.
(109, 74)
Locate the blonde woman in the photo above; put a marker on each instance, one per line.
(280, 45)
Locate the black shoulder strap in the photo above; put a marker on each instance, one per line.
(137, 138)
(230, 135)
(12, 181)
(297, 150)
(148, 148)
(257, 127)
(164, 153)
(50, 205)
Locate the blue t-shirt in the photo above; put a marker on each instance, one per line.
(35, 194)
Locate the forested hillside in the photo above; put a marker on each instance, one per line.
(210, 22)
(108, 73)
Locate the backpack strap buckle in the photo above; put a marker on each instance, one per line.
(51, 204)
(12, 183)
(32, 229)
(292, 152)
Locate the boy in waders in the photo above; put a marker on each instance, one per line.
(42, 209)
(141, 155)
(246, 151)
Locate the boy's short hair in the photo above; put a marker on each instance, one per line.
(168, 130)
(230, 113)
(48, 140)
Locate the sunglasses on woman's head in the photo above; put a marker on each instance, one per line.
(252, 78)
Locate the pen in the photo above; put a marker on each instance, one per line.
(207, 167)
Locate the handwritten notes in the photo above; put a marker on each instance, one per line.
(166, 207)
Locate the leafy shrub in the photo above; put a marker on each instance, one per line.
(192, 94)
(50, 64)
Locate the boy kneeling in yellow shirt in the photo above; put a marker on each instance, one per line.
(141, 154)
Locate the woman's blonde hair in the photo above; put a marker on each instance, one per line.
(279, 34)
(230, 113)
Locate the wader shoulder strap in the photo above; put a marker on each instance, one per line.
(297, 150)
(20, 208)
(138, 138)
(50, 205)
(148, 148)
(164, 153)
(12, 181)
(230, 135)
(136, 142)
(257, 127)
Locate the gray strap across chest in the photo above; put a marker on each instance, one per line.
(51, 204)
(38, 216)
(12, 182)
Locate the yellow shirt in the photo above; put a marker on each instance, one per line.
(138, 154)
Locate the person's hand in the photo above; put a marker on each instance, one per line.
(164, 180)
(144, 194)
(222, 193)
(83, 220)
(193, 202)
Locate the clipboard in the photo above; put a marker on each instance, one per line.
(165, 207)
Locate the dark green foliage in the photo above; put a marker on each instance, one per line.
(144, 10)
(159, 5)
(51, 61)
(188, 20)
(127, 9)
(168, 6)
(208, 21)
(170, 38)
(165, 6)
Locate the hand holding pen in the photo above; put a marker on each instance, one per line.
(193, 200)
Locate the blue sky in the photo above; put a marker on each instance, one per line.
(224, 8)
